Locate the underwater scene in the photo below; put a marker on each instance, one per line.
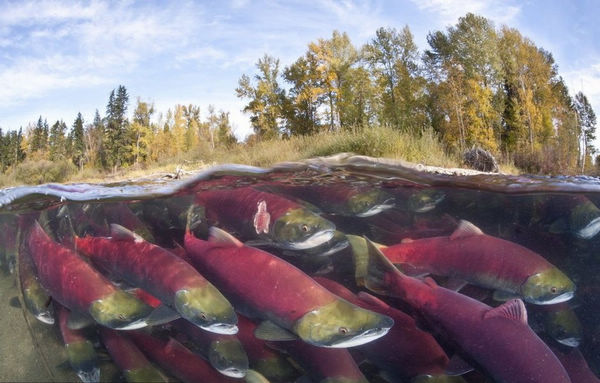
(336, 270)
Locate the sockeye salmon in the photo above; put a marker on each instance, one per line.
(286, 298)
(498, 339)
(164, 275)
(80, 350)
(469, 255)
(406, 351)
(75, 284)
(129, 359)
(265, 217)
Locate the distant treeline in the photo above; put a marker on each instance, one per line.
(473, 85)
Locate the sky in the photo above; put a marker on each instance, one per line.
(61, 57)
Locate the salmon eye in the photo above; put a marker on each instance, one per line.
(304, 228)
(343, 330)
(553, 290)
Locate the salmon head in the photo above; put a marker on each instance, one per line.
(369, 203)
(82, 358)
(425, 200)
(228, 357)
(120, 311)
(144, 374)
(301, 229)
(547, 287)
(564, 327)
(341, 324)
(207, 308)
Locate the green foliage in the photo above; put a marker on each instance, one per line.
(43, 171)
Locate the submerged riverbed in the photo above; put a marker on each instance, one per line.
(520, 249)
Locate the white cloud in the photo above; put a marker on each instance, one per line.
(52, 45)
(450, 10)
(586, 80)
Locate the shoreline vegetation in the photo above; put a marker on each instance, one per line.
(475, 85)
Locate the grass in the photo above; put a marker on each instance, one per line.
(375, 142)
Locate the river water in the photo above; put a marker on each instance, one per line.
(555, 218)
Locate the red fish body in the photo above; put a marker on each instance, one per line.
(162, 274)
(406, 350)
(498, 339)
(483, 260)
(576, 365)
(128, 358)
(78, 286)
(177, 360)
(283, 295)
(323, 364)
(80, 350)
(67, 277)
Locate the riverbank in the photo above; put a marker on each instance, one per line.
(424, 150)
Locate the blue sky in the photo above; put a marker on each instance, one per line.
(58, 58)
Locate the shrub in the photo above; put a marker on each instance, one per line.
(44, 171)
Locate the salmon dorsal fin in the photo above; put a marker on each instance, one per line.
(370, 299)
(223, 238)
(407, 240)
(465, 229)
(121, 233)
(513, 309)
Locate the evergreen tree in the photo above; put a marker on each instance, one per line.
(78, 142)
(116, 137)
(57, 141)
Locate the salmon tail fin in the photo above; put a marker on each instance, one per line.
(379, 268)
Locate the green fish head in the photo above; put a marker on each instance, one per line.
(584, 220)
(144, 374)
(120, 311)
(425, 200)
(207, 308)
(437, 379)
(301, 229)
(548, 287)
(276, 368)
(369, 203)
(341, 324)
(564, 327)
(83, 360)
(228, 357)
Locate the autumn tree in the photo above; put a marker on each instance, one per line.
(393, 58)
(265, 98)
(586, 121)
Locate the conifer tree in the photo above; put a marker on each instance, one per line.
(77, 142)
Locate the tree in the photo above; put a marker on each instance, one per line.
(116, 137)
(266, 98)
(141, 131)
(57, 141)
(78, 142)
(586, 120)
(393, 58)
(94, 143)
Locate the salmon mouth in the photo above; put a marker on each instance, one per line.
(362, 338)
(374, 210)
(233, 372)
(314, 240)
(590, 230)
(221, 328)
(558, 299)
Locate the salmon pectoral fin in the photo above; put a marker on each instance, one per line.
(268, 330)
(223, 238)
